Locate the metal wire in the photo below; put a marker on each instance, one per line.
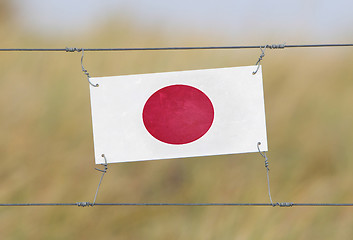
(86, 204)
(82, 67)
(35, 204)
(272, 46)
(103, 172)
(263, 154)
(259, 61)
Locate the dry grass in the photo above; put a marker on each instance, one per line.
(47, 149)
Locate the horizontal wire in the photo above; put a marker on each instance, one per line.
(85, 204)
(36, 204)
(273, 46)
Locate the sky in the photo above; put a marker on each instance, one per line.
(315, 20)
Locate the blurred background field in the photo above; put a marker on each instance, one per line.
(46, 143)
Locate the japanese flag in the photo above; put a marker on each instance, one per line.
(178, 114)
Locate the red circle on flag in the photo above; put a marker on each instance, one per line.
(178, 114)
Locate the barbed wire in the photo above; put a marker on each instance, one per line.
(271, 46)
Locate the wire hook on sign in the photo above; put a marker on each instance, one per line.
(103, 172)
(263, 154)
(260, 59)
(85, 71)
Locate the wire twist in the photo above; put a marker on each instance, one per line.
(84, 204)
(263, 48)
(284, 204)
(276, 46)
(68, 49)
(83, 69)
(260, 59)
